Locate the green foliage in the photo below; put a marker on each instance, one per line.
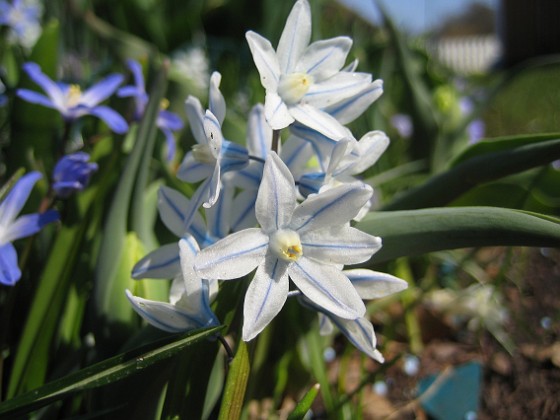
(69, 339)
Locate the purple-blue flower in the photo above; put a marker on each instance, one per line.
(72, 173)
(22, 18)
(167, 121)
(71, 102)
(13, 227)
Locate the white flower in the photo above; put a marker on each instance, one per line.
(308, 243)
(302, 79)
(213, 155)
(370, 285)
(189, 306)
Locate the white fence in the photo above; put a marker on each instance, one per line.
(467, 55)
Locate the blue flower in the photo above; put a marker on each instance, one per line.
(167, 121)
(71, 102)
(72, 174)
(22, 17)
(13, 227)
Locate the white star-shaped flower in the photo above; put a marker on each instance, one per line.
(302, 79)
(307, 243)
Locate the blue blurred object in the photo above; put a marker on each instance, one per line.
(456, 394)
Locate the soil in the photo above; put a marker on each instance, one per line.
(522, 383)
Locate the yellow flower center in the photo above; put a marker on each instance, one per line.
(73, 95)
(164, 103)
(292, 87)
(286, 245)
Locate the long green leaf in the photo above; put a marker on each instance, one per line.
(108, 283)
(103, 373)
(444, 188)
(416, 232)
(500, 144)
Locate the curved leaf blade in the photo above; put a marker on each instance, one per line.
(444, 188)
(417, 232)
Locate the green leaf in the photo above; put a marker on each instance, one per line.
(108, 282)
(499, 144)
(446, 187)
(236, 384)
(103, 373)
(304, 405)
(416, 232)
(32, 356)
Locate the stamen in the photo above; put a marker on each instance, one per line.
(73, 95)
(286, 245)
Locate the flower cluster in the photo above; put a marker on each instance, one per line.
(282, 205)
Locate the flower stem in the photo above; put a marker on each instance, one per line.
(275, 140)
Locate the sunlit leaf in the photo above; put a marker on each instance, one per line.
(416, 232)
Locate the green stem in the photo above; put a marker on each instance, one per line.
(236, 384)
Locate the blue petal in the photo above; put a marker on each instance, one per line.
(9, 270)
(18, 195)
(101, 90)
(35, 98)
(53, 90)
(233, 156)
(28, 225)
(112, 118)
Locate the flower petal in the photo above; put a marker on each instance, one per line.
(28, 225)
(218, 216)
(101, 90)
(9, 269)
(360, 333)
(195, 115)
(374, 284)
(163, 315)
(191, 170)
(276, 198)
(265, 59)
(188, 250)
(174, 209)
(340, 245)
(259, 134)
(217, 103)
(169, 120)
(265, 296)
(296, 153)
(16, 198)
(35, 98)
(214, 188)
(52, 90)
(347, 110)
(276, 111)
(319, 120)
(323, 59)
(333, 207)
(341, 86)
(161, 263)
(370, 148)
(234, 256)
(112, 118)
(295, 37)
(243, 211)
(327, 287)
